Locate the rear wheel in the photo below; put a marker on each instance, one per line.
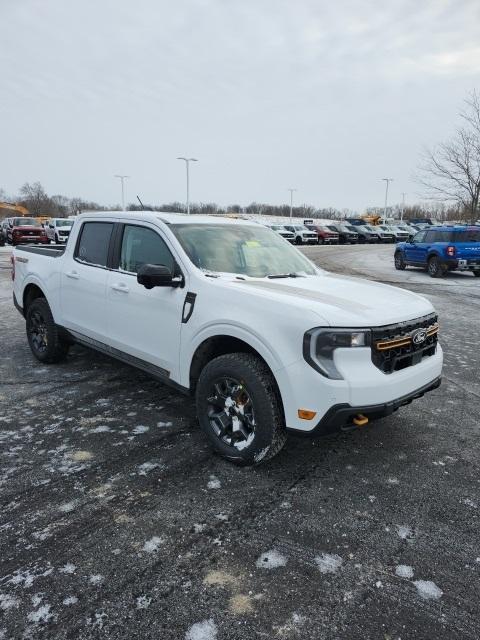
(434, 268)
(239, 409)
(43, 334)
(399, 261)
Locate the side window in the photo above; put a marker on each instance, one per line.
(141, 245)
(419, 237)
(94, 241)
(430, 236)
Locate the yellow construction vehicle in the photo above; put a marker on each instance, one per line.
(372, 218)
(16, 209)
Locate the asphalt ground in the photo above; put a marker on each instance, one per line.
(117, 521)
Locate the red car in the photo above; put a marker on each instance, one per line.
(26, 230)
(325, 235)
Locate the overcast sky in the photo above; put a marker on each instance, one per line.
(326, 97)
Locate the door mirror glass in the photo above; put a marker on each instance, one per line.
(154, 275)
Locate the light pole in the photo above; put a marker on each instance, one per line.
(291, 201)
(122, 180)
(403, 205)
(187, 163)
(387, 181)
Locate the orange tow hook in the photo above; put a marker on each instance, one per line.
(360, 420)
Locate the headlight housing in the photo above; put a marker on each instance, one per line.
(319, 347)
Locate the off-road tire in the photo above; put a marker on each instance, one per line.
(256, 378)
(399, 261)
(54, 348)
(434, 268)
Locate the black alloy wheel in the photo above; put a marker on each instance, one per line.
(399, 262)
(231, 414)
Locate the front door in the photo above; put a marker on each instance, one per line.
(144, 323)
(414, 250)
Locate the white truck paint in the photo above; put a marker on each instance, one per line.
(165, 328)
(58, 229)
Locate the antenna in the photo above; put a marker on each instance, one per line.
(141, 203)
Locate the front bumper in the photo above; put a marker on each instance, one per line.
(363, 385)
(342, 415)
(29, 239)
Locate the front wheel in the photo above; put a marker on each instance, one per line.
(239, 408)
(42, 333)
(399, 262)
(434, 268)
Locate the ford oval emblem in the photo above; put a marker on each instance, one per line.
(419, 336)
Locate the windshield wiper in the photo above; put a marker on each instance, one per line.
(284, 275)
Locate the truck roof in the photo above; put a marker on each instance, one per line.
(168, 218)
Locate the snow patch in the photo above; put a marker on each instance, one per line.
(96, 579)
(164, 424)
(70, 600)
(153, 544)
(143, 602)
(42, 614)
(206, 630)
(68, 568)
(8, 602)
(328, 563)
(67, 507)
(214, 483)
(428, 590)
(404, 531)
(271, 560)
(404, 571)
(146, 467)
(102, 428)
(140, 429)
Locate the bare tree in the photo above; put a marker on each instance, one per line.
(34, 198)
(451, 171)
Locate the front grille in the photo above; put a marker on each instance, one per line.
(393, 348)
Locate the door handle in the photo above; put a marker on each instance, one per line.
(120, 287)
(72, 274)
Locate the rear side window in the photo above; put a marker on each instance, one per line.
(141, 245)
(469, 235)
(94, 241)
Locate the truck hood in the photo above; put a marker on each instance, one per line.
(340, 301)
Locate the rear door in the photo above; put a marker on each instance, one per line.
(144, 323)
(84, 281)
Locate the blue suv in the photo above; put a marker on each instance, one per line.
(441, 249)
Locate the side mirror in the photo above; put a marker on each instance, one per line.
(155, 275)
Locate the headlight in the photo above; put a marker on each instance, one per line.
(319, 346)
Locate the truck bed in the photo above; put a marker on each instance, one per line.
(51, 251)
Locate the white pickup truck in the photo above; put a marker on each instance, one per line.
(229, 311)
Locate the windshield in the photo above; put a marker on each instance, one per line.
(64, 223)
(24, 222)
(251, 251)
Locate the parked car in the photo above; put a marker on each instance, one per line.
(342, 352)
(364, 234)
(25, 230)
(324, 234)
(345, 235)
(280, 229)
(384, 232)
(302, 234)
(399, 233)
(441, 249)
(58, 229)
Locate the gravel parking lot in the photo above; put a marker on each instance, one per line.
(118, 522)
